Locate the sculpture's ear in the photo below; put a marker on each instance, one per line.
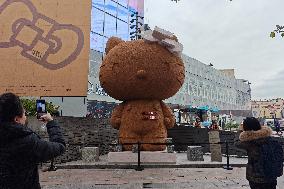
(112, 42)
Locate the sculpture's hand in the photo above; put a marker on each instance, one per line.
(115, 122)
(116, 116)
(169, 122)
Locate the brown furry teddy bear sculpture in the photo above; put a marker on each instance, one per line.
(142, 73)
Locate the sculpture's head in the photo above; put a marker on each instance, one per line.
(150, 68)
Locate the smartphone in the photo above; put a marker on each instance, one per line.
(40, 108)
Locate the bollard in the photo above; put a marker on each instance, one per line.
(139, 167)
(170, 146)
(228, 167)
(52, 167)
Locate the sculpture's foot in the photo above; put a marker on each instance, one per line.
(127, 147)
(145, 147)
(151, 147)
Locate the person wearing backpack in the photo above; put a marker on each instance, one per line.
(277, 127)
(265, 155)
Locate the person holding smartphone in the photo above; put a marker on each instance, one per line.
(20, 148)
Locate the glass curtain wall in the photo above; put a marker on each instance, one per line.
(112, 18)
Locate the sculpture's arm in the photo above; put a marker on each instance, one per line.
(116, 116)
(169, 118)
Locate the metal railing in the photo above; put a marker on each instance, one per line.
(140, 167)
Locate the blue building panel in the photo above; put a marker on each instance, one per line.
(110, 26)
(121, 31)
(97, 23)
(111, 7)
(97, 42)
(112, 18)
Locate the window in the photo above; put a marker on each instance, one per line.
(122, 13)
(97, 22)
(98, 4)
(123, 2)
(111, 7)
(122, 30)
(97, 42)
(110, 26)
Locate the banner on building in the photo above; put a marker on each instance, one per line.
(44, 47)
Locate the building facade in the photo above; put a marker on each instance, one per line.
(273, 108)
(203, 86)
(207, 86)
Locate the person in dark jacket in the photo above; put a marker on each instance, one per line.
(251, 139)
(20, 148)
(277, 127)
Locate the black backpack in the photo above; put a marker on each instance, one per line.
(272, 158)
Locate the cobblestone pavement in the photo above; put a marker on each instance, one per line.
(197, 178)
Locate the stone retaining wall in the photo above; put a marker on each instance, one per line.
(80, 132)
(84, 132)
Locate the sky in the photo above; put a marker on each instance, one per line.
(229, 34)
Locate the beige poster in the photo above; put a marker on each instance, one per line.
(44, 47)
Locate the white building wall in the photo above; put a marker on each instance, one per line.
(205, 85)
(70, 106)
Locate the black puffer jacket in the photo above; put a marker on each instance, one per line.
(252, 141)
(20, 152)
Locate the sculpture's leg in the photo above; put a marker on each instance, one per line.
(133, 139)
(152, 146)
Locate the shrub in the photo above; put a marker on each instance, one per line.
(231, 125)
(30, 107)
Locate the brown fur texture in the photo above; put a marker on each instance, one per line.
(141, 75)
(112, 43)
(253, 135)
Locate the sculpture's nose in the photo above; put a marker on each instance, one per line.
(141, 74)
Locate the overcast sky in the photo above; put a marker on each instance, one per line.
(229, 34)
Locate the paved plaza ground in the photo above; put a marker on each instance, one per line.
(175, 178)
(155, 178)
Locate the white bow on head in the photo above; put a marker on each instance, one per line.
(164, 38)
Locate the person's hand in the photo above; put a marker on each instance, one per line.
(46, 117)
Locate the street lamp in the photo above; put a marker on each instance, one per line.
(131, 21)
(136, 25)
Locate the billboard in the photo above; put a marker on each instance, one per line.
(44, 47)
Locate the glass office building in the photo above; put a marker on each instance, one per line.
(112, 18)
(109, 18)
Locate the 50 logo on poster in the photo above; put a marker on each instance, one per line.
(40, 37)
